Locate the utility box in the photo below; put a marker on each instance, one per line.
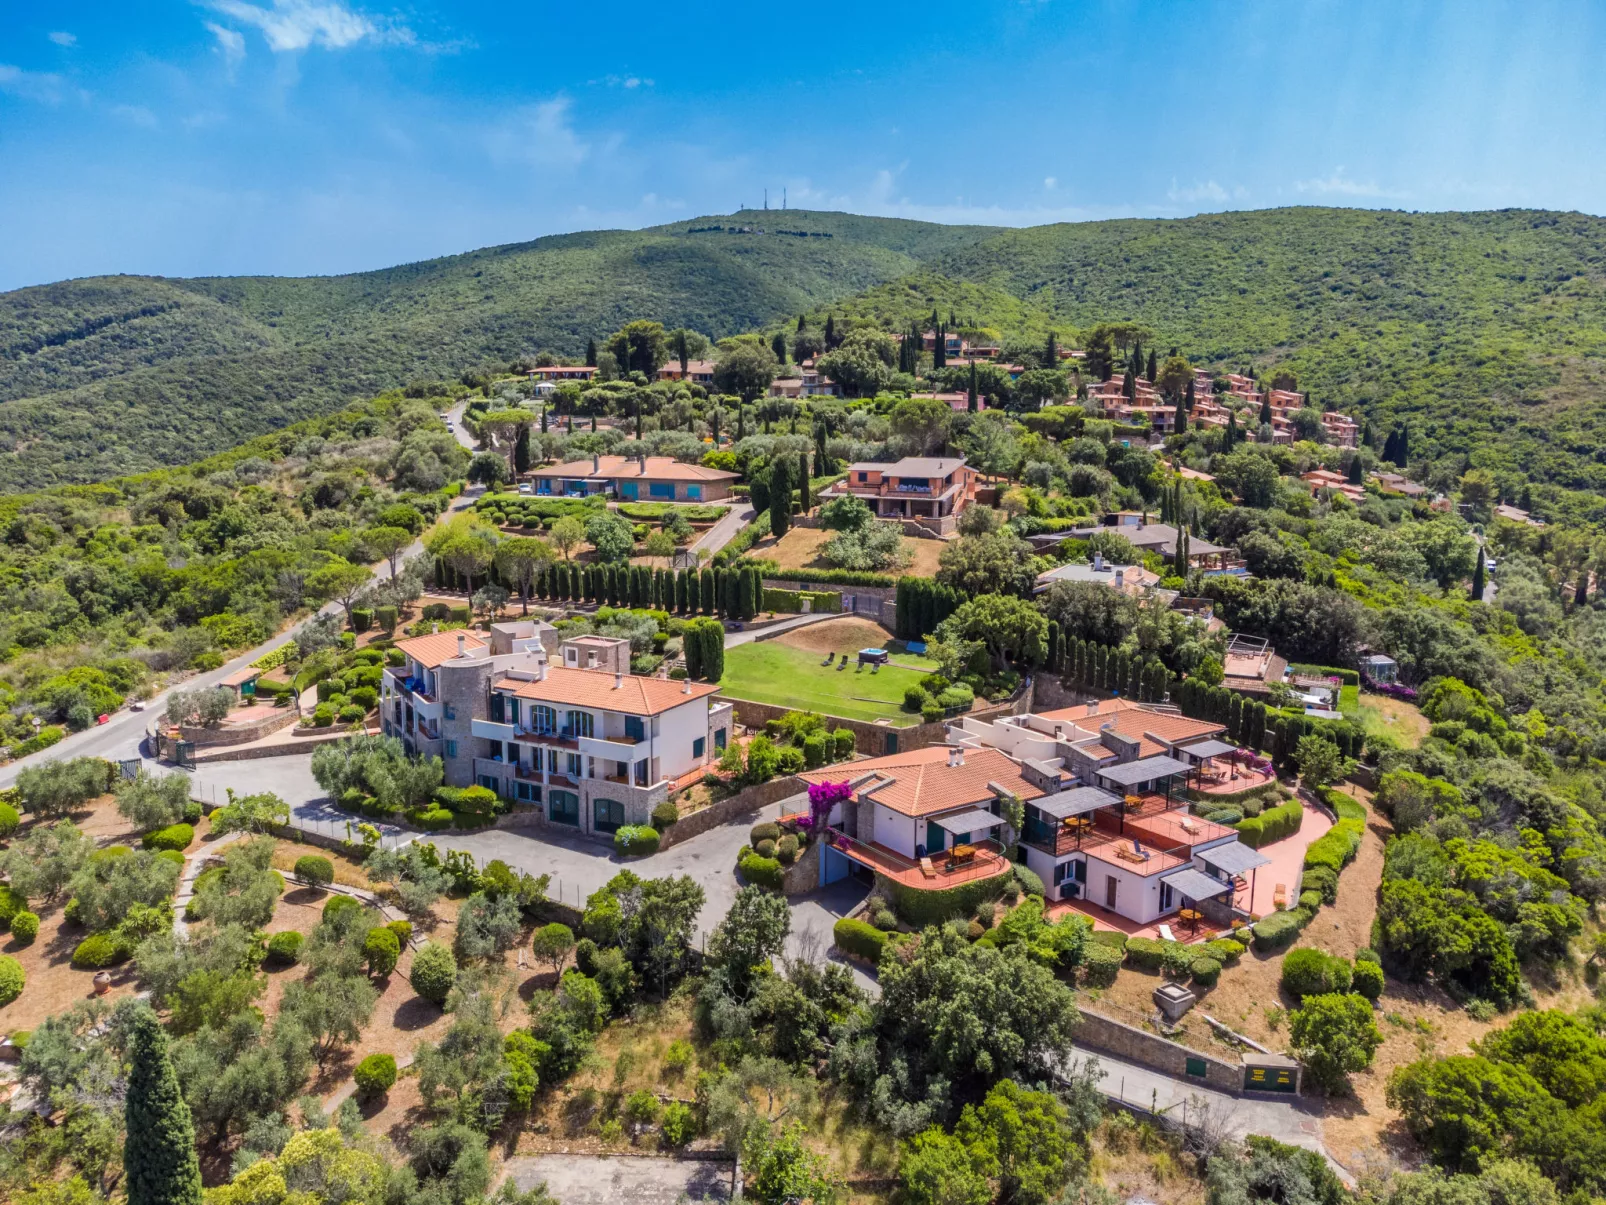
(1271, 1073)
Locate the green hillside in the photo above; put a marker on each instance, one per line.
(1486, 329)
(110, 375)
(1483, 329)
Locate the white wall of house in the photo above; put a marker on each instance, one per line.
(678, 730)
(896, 831)
(1136, 898)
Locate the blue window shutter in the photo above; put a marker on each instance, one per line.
(451, 748)
(697, 746)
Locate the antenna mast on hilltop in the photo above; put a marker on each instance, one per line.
(783, 198)
(766, 199)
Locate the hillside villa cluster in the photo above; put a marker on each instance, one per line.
(1210, 409)
(1105, 826)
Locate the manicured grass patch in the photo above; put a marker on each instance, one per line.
(767, 671)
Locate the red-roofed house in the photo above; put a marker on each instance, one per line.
(635, 478)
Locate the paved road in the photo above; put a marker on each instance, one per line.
(722, 533)
(747, 636)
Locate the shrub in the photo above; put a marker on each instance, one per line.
(766, 872)
(12, 979)
(767, 831)
(915, 698)
(1367, 979)
(310, 868)
(842, 744)
(323, 716)
(1320, 879)
(1100, 964)
(1225, 950)
(1227, 816)
(664, 815)
(1310, 901)
(381, 950)
(9, 820)
(362, 618)
(1113, 938)
(679, 1125)
(403, 929)
(193, 812)
(765, 849)
(434, 971)
(885, 919)
(1028, 879)
(1205, 971)
(285, 948)
(1145, 953)
(175, 837)
(365, 697)
(1276, 931)
(1272, 825)
(97, 951)
(786, 850)
(11, 903)
(351, 713)
(1366, 954)
(635, 841)
(340, 904)
(431, 819)
(856, 937)
(25, 927)
(814, 750)
(1309, 972)
(375, 1074)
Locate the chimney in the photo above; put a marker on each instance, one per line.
(643, 459)
(1092, 707)
(618, 681)
(596, 463)
(462, 645)
(1098, 562)
(1120, 578)
(540, 670)
(956, 756)
(434, 629)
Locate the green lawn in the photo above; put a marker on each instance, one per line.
(769, 672)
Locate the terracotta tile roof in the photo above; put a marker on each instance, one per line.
(921, 782)
(1132, 720)
(429, 651)
(659, 468)
(595, 688)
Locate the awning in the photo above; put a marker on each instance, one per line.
(1133, 772)
(1075, 802)
(1208, 749)
(1195, 884)
(1234, 857)
(967, 822)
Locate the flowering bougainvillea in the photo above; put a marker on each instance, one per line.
(823, 796)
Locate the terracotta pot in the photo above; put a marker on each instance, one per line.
(103, 983)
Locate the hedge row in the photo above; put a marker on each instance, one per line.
(857, 937)
(832, 577)
(766, 872)
(921, 907)
(1272, 825)
(791, 601)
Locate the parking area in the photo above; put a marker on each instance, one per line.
(633, 1180)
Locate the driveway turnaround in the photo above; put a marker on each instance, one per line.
(632, 1180)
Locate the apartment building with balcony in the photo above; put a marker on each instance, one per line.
(930, 490)
(419, 696)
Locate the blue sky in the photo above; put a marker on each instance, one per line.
(324, 136)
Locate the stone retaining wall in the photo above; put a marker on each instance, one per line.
(744, 802)
(1098, 1032)
(301, 744)
(803, 875)
(272, 719)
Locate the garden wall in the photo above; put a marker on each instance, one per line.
(272, 719)
(872, 602)
(1098, 1032)
(748, 799)
(803, 876)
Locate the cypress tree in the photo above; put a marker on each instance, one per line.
(710, 599)
(1235, 717)
(713, 650)
(521, 450)
(803, 480)
(1052, 655)
(1480, 574)
(159, 1161)
(1180, 419)
(1187, 398)
(1051, 353)
(821, 460)
(970, 394)
(694, 591)
(1151, 370)
(830, 332)
(591, 353)
(1229, 437)
(1265, 408)
(778, 346)
(741, 422)
(1129, 386)
(681, 592)
(744, 594)
(1357, 471)
(780, 497)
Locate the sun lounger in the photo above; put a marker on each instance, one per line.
(927, 869)
(1165, 933)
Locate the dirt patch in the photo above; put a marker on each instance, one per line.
(800, 548)
(348, 870)
(836, 635)
(54, 985)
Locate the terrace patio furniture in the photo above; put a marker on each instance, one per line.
(1166, 934)
(1279, 897)
(1190, 917)
(927, 869)
(961, 855)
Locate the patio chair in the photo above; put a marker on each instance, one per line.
(842, 665)
(927, 869)
(1166, 934)
(829, 657)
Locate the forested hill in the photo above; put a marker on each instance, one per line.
(1484, 328)
(109, 375)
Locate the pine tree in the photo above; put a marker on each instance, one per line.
(591, 353)
(159, 1161)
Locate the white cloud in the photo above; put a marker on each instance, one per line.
(137, 115)
(62, 38)
(1050, 183)
(292, 25)
(540, 135)
(31, 85)
(230, 43)
(1340, 185)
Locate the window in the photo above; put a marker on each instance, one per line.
(578, 723)
(496, 750)
(451, 748)
(607, 815)
(719, 738)
(498, 704)
(1167, 897)
(863, 477)
(575, 765)
(1195, 1067)
(563, 807)
(634, 729)
(522, 791)
(488, 782)
(694, 493)
(698, 745)
(512, 711)
(661, 489)
(449, 711)
(545, 718)
(552, 760)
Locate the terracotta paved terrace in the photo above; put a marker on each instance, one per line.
(989, 860)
